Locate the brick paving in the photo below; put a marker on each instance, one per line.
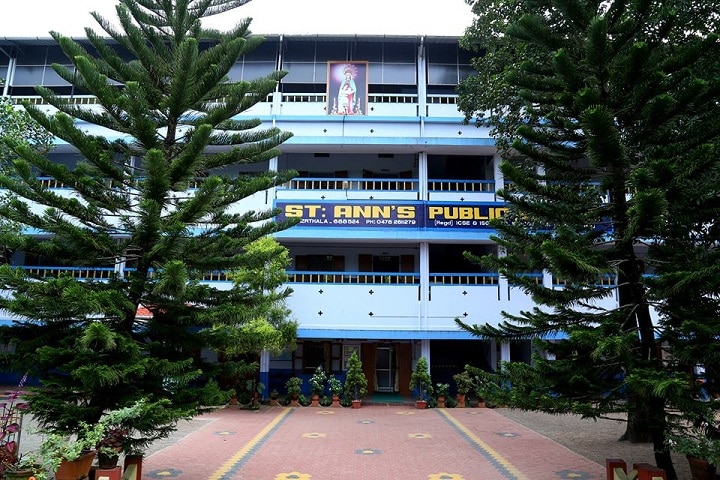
(371, 443)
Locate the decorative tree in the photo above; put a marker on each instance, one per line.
(420, 380)
(596, 107)
(168, 221)
(355, 380)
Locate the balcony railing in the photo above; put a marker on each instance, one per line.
(603, 280)
(442, 185)
(83, 273)
(464, 278)
(386, 184)
(354, 278)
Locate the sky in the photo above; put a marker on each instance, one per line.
(35, 18)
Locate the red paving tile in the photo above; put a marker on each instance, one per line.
(370, 443)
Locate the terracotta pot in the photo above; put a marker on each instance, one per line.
(315, 401)
(441, 402)
(701, 469)
(75, 469)
(335, 401)
(294, 400)
(461, 400)
(356, 404)
(18, 474)
(421, 404)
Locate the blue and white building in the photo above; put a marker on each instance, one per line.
(393, 188)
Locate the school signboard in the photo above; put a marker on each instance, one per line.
(393, 214)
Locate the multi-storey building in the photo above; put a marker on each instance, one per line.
(393, 187)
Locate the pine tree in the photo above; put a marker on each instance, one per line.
(155, 203)
(595, 98)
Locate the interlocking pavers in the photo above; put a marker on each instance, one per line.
(370, 443)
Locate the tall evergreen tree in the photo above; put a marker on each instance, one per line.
(592, 102)
(156, 202)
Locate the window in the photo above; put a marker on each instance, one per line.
(313, 355)
(320, 263)
(447, 64)
(324, 353)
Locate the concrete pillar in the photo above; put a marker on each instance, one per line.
(265, 372)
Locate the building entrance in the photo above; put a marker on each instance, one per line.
(385, 369)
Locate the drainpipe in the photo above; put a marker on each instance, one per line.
(277, 96)
(11, 72)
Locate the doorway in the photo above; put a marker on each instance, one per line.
(385, 369)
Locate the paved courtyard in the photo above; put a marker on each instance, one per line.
(371, 443)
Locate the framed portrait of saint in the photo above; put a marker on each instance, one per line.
(347, 88)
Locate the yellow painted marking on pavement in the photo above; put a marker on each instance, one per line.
(499, 458)
(227, 466)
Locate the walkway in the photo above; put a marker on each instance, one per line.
(371, 443)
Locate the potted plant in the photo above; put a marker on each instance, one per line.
(110, 447)
(27, 465)
(293, 388)
(355, 380)
(274, 395)
(336, 388)
(464, 383)
(421, 383)
(255, 389)
(699, 440)
(71, 457)
(11, 416)
(317, 385)
(441, 391)
(116, 436)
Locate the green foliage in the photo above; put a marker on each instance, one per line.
(294, 385)
(355, 380)
(213, 395)
(442, 389)
(463, 382)
(335, 385)
(177, 122)
(56, 447)
(317, 381)
(696, 435)
(16, 126)
(420, 380)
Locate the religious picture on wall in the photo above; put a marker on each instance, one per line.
(347, 88)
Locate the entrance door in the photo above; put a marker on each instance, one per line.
(385, 369)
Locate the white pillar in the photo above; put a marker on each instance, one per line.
(425, 350)
(422, 81)
(493, 356)
(265, 371)
(505, 352)
(424, 254)
(422, 176)
(497, 173)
